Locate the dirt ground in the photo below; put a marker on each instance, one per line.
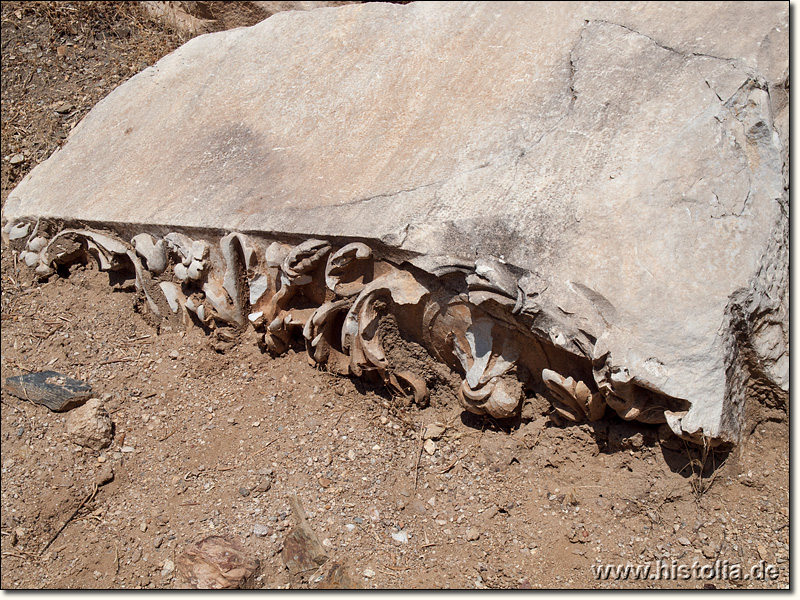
(215, 443)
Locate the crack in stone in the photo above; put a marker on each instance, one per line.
(664, 46)
(442, 181)
(573, 98)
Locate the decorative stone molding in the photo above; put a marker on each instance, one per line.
(477, 318)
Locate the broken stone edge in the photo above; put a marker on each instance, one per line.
(335, 295)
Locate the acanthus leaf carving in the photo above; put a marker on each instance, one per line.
(336, 297)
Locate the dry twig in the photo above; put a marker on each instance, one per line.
(70, 518)
(264, 448)
(419, 457)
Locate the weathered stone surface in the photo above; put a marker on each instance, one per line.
(55, 391)
(595, 190)
(217, 563)
(90, 425)
(302, 551)
(335, 575)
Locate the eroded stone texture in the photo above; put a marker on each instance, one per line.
(217, 563)
(90, 425)
(585, 201)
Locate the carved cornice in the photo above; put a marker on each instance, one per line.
(480, 319)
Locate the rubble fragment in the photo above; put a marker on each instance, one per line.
(90, 425)
(217, 563)
(54, 390)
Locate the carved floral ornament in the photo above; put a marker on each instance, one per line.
(477, 319)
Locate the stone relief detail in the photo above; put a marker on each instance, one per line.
(334, 299)
(574, 400)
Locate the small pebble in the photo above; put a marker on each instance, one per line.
(684, 541)
(244, 491)
(400, 536)
(473, 534)
(158, 541)
(369, 573)
(433, 431)
(169, 567)
(262, 487)
(261, 530)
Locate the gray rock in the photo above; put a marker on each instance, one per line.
(473, 534)
(54, 390)
(90, 425)
(621, 189)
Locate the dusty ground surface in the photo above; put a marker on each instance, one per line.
(209, 443)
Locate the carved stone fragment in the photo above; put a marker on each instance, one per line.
(605, 225)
